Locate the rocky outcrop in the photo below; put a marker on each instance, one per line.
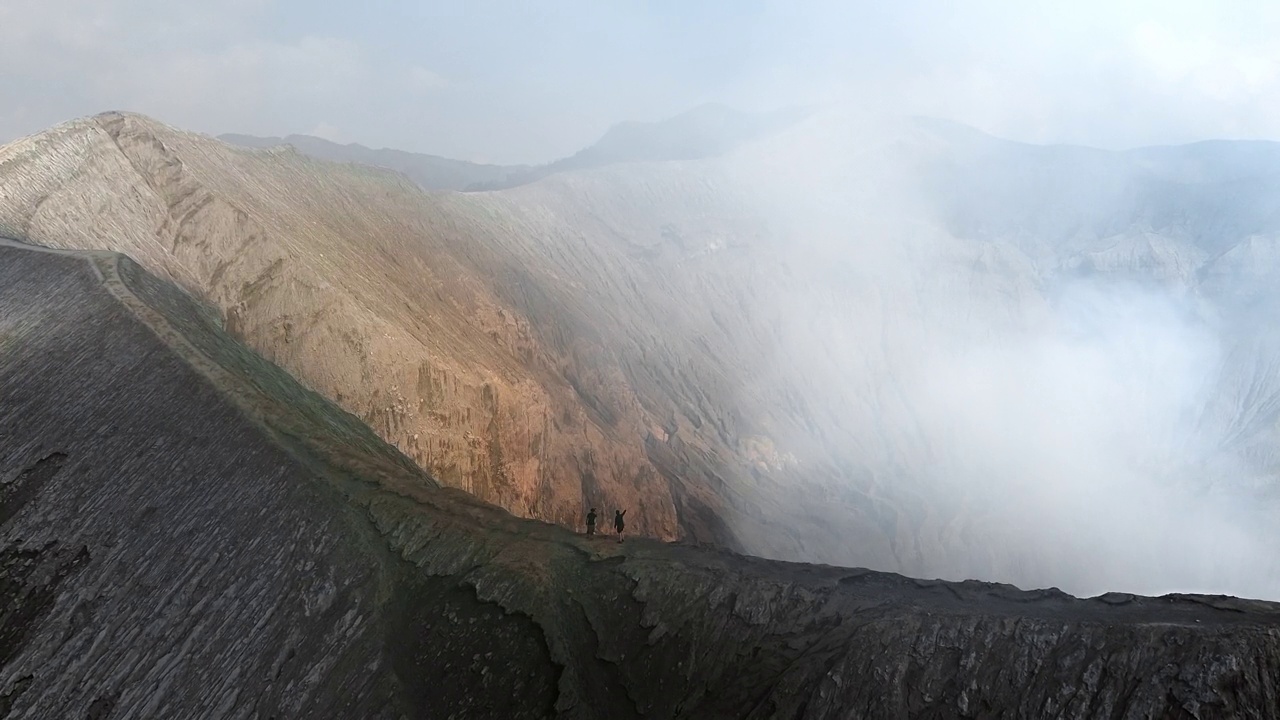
(186, 532)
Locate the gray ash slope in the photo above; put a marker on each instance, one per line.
(186, 532)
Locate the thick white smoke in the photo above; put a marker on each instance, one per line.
(1032, 426)
(1079, 443)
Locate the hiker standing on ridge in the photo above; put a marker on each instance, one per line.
(618, 522)
(591, 522)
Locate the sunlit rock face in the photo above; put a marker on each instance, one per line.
(185, 531)
(901, 345)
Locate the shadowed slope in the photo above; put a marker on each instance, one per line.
(187, 533)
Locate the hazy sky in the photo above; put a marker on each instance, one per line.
(508, 81)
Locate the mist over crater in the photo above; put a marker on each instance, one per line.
(1054, 364)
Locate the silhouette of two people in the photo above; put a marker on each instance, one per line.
(619, 522)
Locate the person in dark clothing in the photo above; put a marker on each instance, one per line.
(591, 522)
(618, 523)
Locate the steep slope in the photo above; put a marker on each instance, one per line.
(430, 172)
(186, 532)
(394, 303)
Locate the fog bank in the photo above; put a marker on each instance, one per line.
(1060, 401)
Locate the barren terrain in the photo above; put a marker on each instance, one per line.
(187, 532)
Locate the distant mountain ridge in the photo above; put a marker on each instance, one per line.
(706, 131)
(431, 172)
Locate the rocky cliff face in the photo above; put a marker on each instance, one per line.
(910, 349)
(186, 532)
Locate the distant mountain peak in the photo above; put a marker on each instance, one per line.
(703, 131)
(708, 130)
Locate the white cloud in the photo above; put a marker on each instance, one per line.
(252, 73)
(1167, 74)
(201, 66)
(1090, 72)
(1224, 72)
(423, 80)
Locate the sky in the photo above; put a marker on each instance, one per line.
(511, 82)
